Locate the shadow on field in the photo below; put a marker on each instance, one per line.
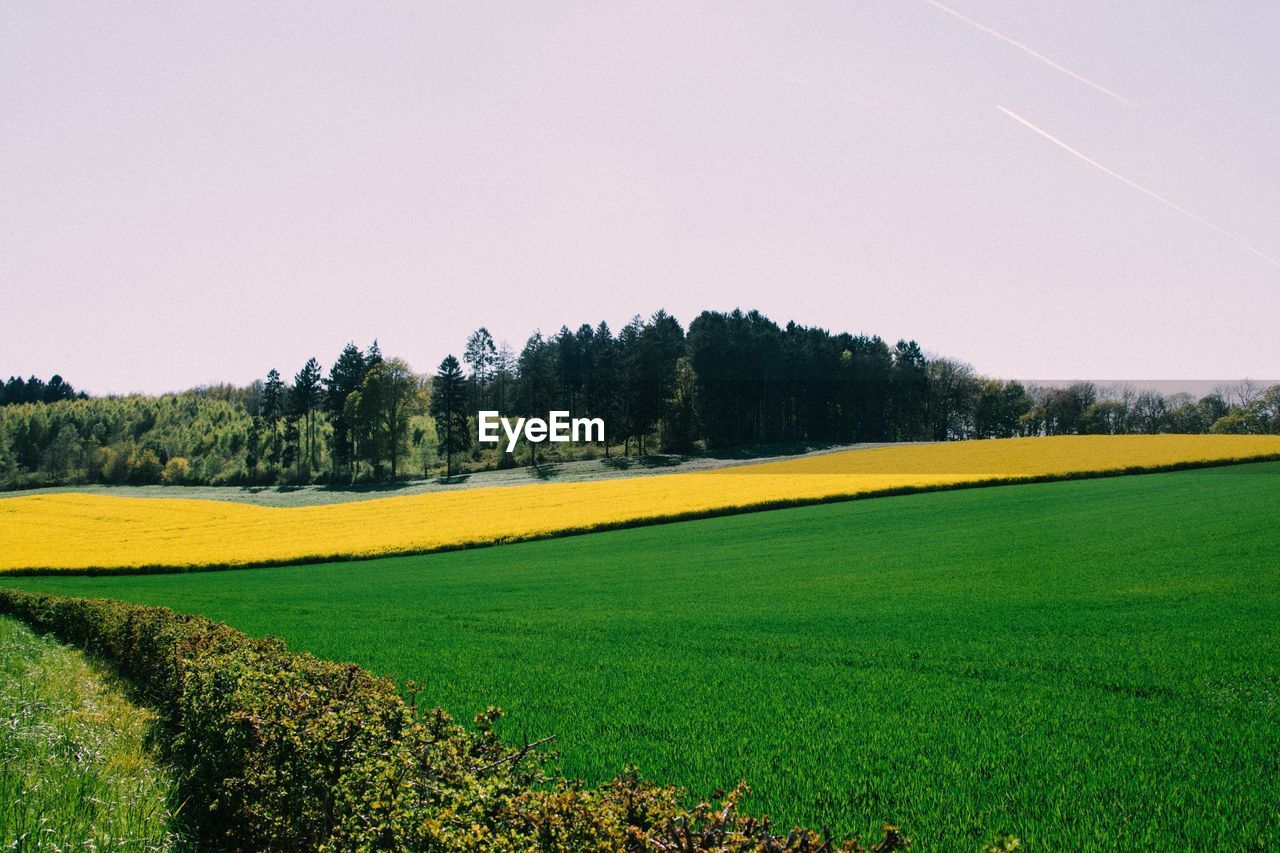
(758, 451)
(365, 488)
(626, 463)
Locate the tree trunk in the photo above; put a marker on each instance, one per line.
(394, 450)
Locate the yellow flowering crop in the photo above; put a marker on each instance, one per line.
(76, 531)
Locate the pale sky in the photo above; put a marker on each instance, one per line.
(192, 194)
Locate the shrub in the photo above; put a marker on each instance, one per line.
(144, 468)
(113, 464)
(276, 750)
(175, 471)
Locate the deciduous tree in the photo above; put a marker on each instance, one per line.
(392, 395)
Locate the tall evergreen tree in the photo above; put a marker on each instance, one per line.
(632, 408)
(606, 379)
(538, 382)
(305, 397)
(711, 353)
(449, 410)
(56, 390)
(505, 365)
(568, 359)
(253, 449)
(661, 346)
(909, 392)
(585, 377)
(345, 377)
(273, 408)
(681, 423)
(292, 453)
(479, 356)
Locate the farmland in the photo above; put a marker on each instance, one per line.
(1086, 663)
(79, 532)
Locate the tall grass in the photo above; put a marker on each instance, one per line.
(74, 770)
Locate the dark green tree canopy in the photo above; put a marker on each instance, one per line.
(449, 409)
(730, 379)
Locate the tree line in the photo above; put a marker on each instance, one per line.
(35, 390)
(727, 380)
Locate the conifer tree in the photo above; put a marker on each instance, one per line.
(272, 411)
(305, 397)
(345, 378)
(449, 409)
(479, 356)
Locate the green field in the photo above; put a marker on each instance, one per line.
(1082, 664)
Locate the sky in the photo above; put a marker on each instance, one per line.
(195, 193)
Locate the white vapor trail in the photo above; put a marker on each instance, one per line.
(1022, 47)
(1166, 202)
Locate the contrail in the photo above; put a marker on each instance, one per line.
(1040, 56)
(1166, 202)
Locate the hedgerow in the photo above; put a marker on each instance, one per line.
(277, 750)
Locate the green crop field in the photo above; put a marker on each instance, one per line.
(1082, 664)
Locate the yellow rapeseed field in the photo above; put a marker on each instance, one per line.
(76, 531)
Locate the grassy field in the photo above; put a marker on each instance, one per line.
(87, 532)
(74, 772)
(1083, 664)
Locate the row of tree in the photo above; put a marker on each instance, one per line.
(359, 415)
(739, 378)
(35, 390)
(729, 379)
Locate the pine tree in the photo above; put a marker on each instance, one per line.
(630, 404)
(538, 382)
(305, 397)
(605, 380)
(449, 409)
(345, 378)
(272, 411)
(504, 372)
(479, 356)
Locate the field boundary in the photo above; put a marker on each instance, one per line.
(279, 750)
(650, 520)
